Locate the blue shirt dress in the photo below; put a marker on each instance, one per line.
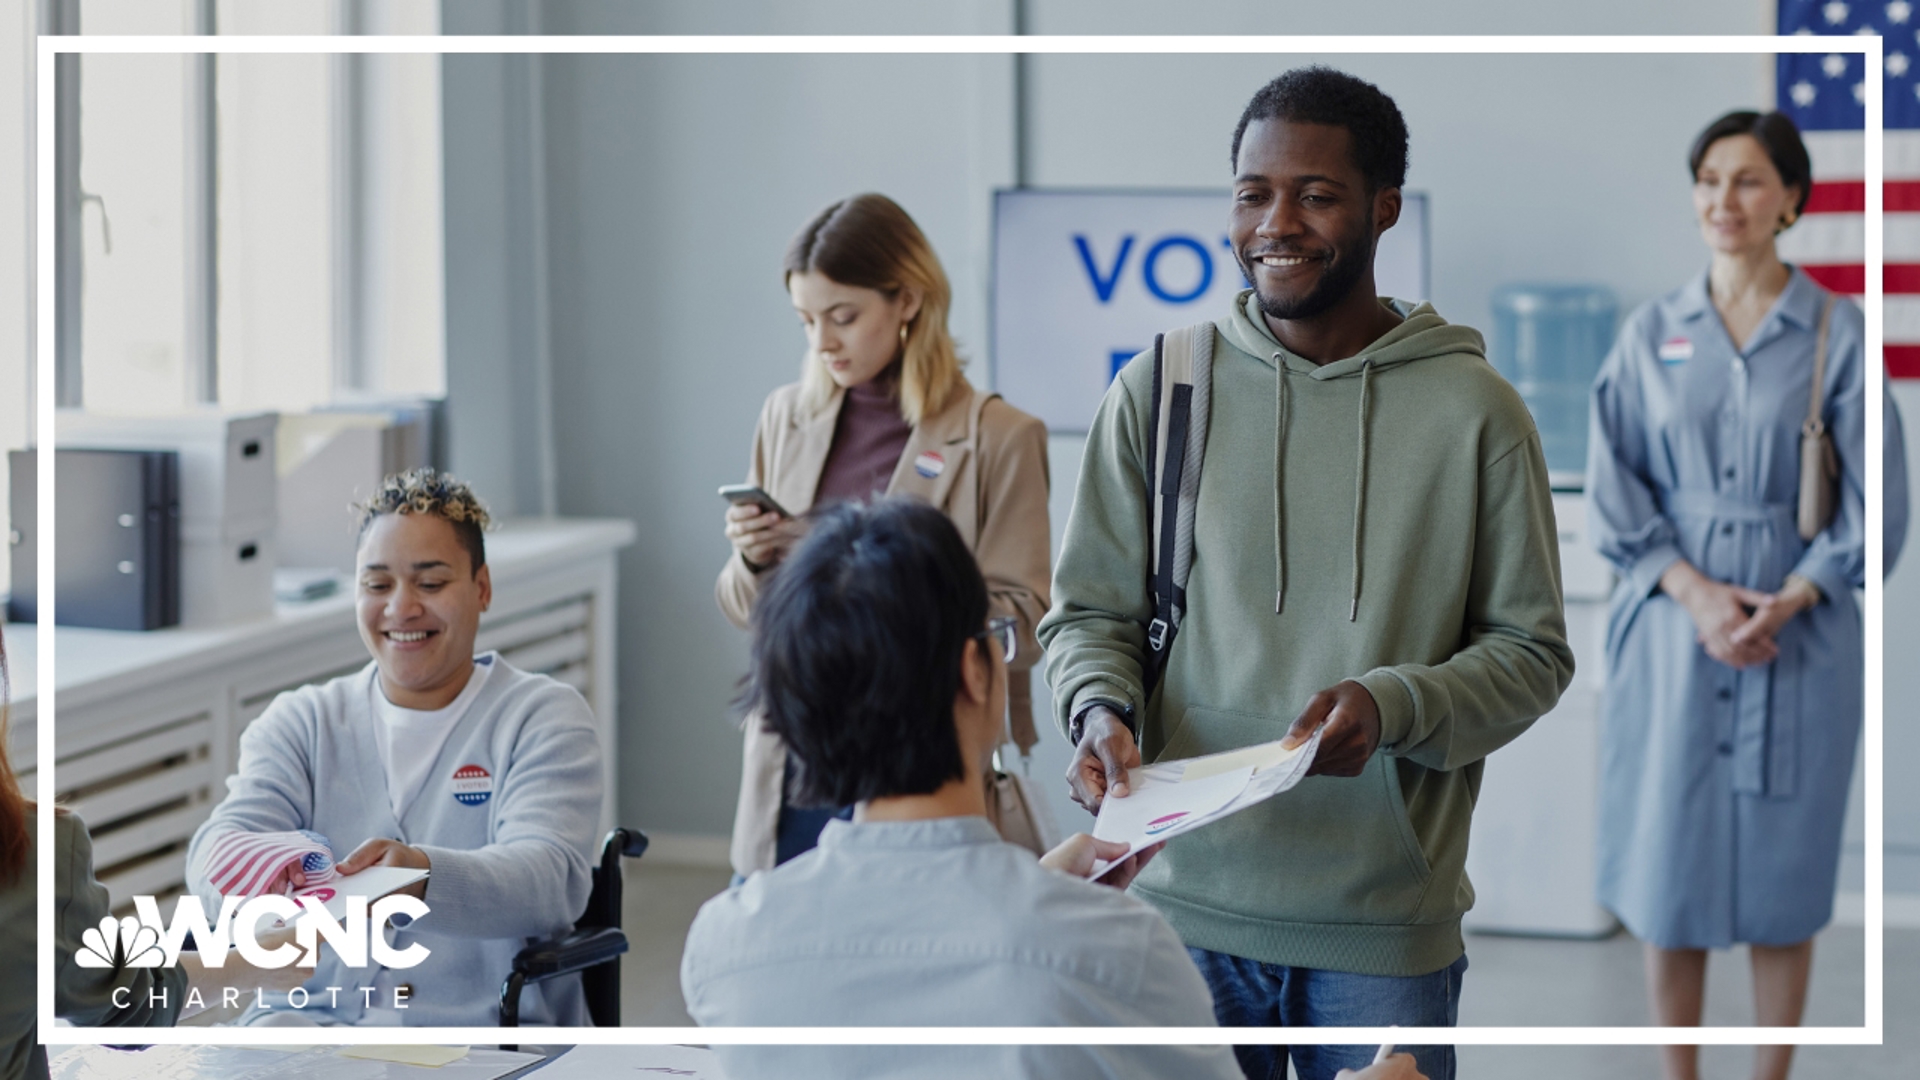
(1723, 791)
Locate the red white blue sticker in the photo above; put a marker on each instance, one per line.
(472, 785)
(929, 464)
(1675, 350)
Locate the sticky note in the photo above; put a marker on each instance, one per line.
(430, 1056)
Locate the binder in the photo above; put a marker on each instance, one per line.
(119, 538)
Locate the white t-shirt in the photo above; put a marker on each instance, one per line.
(410, 739)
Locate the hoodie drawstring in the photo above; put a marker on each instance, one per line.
(1360, 490)
(1279, 474)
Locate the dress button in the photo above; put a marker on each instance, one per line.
(405, 989)
(1726, 530)
(1724, 694)
(1726, 749)
(1729, 472)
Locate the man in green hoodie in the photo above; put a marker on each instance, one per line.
(1374, 556)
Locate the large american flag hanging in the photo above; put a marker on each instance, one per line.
(1824, 94)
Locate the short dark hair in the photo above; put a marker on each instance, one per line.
(1321, 95)
(425, 491)
(858, 642)
(1777, 135)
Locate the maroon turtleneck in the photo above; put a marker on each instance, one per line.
(868, 439)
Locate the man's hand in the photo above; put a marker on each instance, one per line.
(1396, 1067)
(1349, 724)
(1101, 761)
(384, 852)
(1077, 854)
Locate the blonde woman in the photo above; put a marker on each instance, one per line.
(881, 408)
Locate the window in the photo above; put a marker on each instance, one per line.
(262, 232)
(273, 220)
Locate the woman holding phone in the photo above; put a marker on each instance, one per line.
(881, 408)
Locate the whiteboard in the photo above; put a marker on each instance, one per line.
(1082, 280)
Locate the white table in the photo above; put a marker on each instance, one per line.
(148, 724)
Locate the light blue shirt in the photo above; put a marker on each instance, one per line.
(1722, 790)
(942, 923)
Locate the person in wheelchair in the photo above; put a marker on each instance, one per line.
(430, 757)
(875, 662)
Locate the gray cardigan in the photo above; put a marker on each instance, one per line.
(508, 868)
(82, 995)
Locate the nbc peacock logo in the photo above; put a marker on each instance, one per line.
(120, 943)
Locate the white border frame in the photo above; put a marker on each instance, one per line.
(1871, 1033)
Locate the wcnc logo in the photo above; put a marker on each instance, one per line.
(150, 941)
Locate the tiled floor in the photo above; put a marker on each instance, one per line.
(1511, 981)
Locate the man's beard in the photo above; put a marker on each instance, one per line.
(1348, 265)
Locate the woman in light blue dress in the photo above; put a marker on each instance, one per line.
(1734, 649)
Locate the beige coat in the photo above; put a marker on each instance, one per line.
(993, 486)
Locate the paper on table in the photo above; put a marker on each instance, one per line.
(638, 1062)
(1174, 797)
(430, 1056)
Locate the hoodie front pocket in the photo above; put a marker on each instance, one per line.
(1402, 821)
(1332, 850)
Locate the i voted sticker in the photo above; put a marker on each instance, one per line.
(929, 464)
(1675, 350)
(472, 785)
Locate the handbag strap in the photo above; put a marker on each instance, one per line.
(1814, 426)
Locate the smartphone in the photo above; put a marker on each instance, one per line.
(742, 494)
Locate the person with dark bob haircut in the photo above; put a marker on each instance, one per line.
(1372, 560)
(881, 407)
(1734, 677)
(877, 663)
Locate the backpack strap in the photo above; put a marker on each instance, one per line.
(1176, 443)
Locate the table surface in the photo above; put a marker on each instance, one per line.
(84, 656)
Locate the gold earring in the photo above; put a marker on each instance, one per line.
(903, 333)
(1787, 219)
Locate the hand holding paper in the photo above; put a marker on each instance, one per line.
(1174, 797)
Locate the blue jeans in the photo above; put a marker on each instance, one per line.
(1248, 993)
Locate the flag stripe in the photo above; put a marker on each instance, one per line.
(1850, 197)
(1903, 361)
(1851, 278)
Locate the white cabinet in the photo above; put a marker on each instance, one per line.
(147, 725)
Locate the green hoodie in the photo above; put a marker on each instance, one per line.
(1383, 518)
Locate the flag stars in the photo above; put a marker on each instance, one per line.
(1899, 11)
(1835, 11)
(1860, 92)
(1897, 64)
(1834, 65)
(1803, 93)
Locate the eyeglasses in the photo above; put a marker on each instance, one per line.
(1006, 630)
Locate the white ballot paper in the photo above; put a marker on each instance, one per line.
(1173, 797)
(373, 883)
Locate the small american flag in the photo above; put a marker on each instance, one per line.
(241, 864)
(1825, 96)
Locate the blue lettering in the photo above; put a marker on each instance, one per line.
(1153, 279)
(1103, 288)
(1118, 359)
